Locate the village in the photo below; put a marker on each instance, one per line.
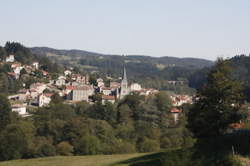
(74, 87)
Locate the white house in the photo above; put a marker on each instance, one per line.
(106, 91)
(67, 72)
(44, 99)
(17, 69)
(20, 109)
(135, 87)
(10, 58)
(60, 82)
(35, 65)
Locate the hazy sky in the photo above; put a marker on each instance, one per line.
(182, 28)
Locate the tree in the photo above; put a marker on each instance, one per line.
(5, 112)
(163, 102)
(13, 143)
(88, 145)
(64, 148)
(56, 99)
(218, 103)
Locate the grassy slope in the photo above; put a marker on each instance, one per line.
(98, 160)
(243, 160)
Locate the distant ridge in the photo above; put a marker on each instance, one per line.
(77, 52)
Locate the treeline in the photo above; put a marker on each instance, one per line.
(135, 124)
(241, 72)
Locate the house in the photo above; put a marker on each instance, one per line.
(13, 75)
(39, 87)
(23, 94)
(60, 81)
(20, 109)
(81, 93)
(80, 79)
(179, 100)
(69, 88)
(10, 58)
(17, 68)
(45, 73)
(106, 91)
(106, 98)
(67, 72)
(100, 82)
(44, 99)
(33, 93)
(27, 68)
(175, 112)
(135, 87)
(115, 85)
(35, 65)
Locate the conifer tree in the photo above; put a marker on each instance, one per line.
(217, 103)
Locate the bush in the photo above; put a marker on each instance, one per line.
(64, 148)
(148, 145)
(43, 147)
(88, 145)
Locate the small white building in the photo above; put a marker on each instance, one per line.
(17, 70)
(35, 65)
(135, 87)
(60, 82)
(44, 99)
(20, 109)
(67, 72)
(10, 58)
(106, 91)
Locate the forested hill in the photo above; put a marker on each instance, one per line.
(164, 61)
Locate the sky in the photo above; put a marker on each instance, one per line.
(181, 28)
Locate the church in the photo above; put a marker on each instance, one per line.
(124, 89)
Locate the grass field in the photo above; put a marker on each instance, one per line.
(98, 160)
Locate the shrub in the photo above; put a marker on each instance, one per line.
(64, 148)
(148, 145)
(88, 145)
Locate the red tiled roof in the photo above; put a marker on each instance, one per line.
(106, 88)
(105, 97)
(70, 87)
(48, 94)
(236, 125)
(82, 88)
(175, 110)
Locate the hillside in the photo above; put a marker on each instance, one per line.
(165, 61)
(151, 72)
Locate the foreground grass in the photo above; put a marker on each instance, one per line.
(98, 160)
(243, 160)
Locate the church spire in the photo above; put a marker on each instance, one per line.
(124, 74)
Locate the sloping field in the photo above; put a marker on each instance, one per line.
(98, 160)
(243, 160)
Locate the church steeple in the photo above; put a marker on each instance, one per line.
(124, 84)
(124, 78)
